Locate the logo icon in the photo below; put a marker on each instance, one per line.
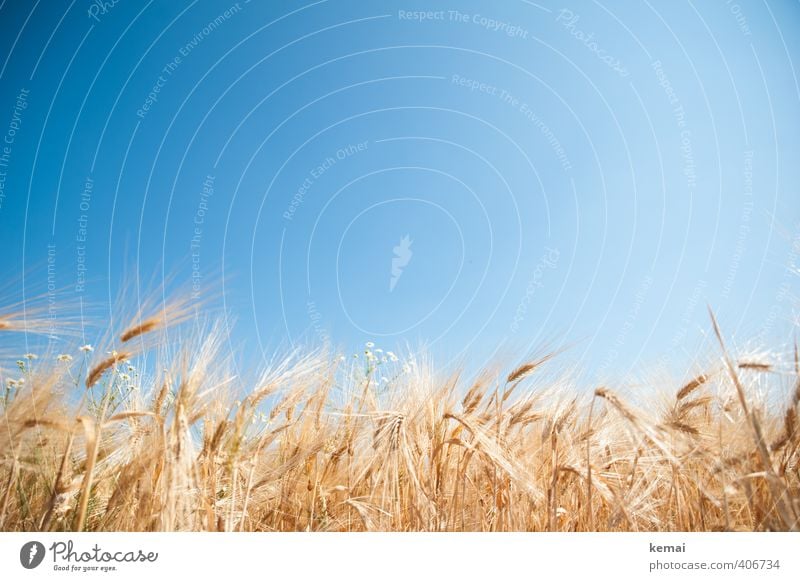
(402, 256)
(31, 554)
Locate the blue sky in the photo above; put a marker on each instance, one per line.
(584, 174)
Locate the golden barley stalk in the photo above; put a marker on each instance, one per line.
(140, 329)
(98, 370)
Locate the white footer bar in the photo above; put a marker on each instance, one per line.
(386, 556)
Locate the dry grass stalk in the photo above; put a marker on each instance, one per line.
(303, 446)
(526, 369)
(691, 386)
(755, 365)
(140, 329)
(778, 491)
(98, 370)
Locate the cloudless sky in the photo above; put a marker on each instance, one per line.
(586, 174)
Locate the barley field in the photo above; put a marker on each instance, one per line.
(158, 430)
